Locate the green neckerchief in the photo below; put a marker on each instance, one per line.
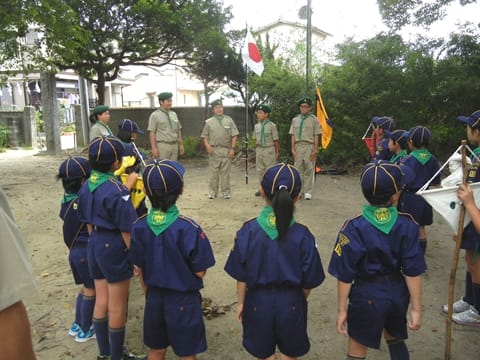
(68, 197)
(219, 119)
(97, 178)
(267, 222)
(422, 155)
(106, 127)
(262, 131)
(159, 221)
(383, 218)
(396, 157)
(302, 118)
(476, 151)
(166, 112)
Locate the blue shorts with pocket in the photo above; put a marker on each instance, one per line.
(79, 265)
(275, 316)
(175, 319)
(108, 257)
(375, 306)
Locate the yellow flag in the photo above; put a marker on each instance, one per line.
(325, 123)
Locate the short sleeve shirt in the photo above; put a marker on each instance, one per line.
(165, 125)
(270, 133)
(219, 130)
(99, 129)
(310, 128)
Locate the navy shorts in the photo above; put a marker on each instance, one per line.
(174, 319)
(272, 317)
(470, 238)
(108, 257)
(416, 206)
(376, 306)
(79, 265)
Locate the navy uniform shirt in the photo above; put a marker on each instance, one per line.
(171, 259)
(259, 261)
(364, 252)
(470, 237)
(75, 232)
(423, 173)
(382, 152)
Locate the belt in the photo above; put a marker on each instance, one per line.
(168, 142)
(382, 278)
(265, 146)
(100, 229)
(304, 142)
(227, 147)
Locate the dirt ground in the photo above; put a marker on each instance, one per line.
(34, 196)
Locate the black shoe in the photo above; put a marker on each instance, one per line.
(257, 193)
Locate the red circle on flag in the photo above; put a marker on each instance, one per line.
(253, 52)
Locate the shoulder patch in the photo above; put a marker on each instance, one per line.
(342, 241)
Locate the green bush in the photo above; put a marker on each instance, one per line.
(4, 136)
(193, 148)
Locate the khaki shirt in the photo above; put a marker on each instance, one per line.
(219, 131)
(310, 128)
(165, 125)
(270, 131)
(99, 129)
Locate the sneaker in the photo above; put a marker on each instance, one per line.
(74, 330)
(308, 196)
(127, 355)
(458, 306)
(85, 336)
(226, 195)
(468, 318)
(103, 357)
(212, 196)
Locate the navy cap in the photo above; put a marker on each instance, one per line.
(472, 120)
(399, 136)
(305, 100)
(164, 175)
(265, 108)
(130, 126)
(384, 178)
(100, 109)
(106, 149)
(165, 96)
(216, 102)
(419, 135)
(280, 176)
(383, 122)
(74, 168)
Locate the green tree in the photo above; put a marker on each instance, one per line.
(96, 38)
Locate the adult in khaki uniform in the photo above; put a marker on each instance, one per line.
(220, 137)
(165, 130)
(267, 144)
(304, 132)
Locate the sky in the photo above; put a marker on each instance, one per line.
(340, 18)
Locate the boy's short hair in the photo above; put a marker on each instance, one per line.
(383, 122)
(382, 179)
(163, 175)
(106, 150)
(281, 176)
(419, 136)
(473, 120)
(74, 168)
(399, 136)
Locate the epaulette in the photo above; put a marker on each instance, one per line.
(140, 218)
(189, 220)
(348, 221)
(408, 215)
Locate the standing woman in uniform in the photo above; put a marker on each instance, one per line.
(105, 206)
(99, 119)
(219, 136)
(276, 263)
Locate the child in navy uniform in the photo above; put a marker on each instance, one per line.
(378, 263)
(466, 310)
(397, 144)
(105, 205)
(382, 125)
(172, 255)
(276, 263)
(74, 172)
(424, 165)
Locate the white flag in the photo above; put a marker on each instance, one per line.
(251, 56)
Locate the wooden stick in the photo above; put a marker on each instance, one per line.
(453, 270)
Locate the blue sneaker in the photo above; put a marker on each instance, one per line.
(74, 330)
(85, 336)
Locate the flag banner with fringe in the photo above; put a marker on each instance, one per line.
(325, 123)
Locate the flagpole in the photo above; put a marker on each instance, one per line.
(453, 270)
(246, 126)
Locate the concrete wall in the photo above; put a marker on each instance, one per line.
(21, 126)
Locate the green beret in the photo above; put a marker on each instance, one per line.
(216, 102)
(100, 109)
(265, 108)
(305, 100)
(164, 96)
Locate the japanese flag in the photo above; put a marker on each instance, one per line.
(251, 56)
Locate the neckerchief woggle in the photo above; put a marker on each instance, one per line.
(68, 197)
(159, 221)
(383, 218)
(422, 155)
(97, 178)
(268, 223)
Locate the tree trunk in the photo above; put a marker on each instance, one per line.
(50, 112)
